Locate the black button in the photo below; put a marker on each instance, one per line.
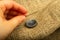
(31, 23)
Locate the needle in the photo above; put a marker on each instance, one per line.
(32, 13)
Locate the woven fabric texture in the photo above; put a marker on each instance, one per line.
(46, 13)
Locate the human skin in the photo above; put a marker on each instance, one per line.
(7, 26)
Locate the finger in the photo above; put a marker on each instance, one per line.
(6, 5)
(16, 21)
(11, 4)
(11, 25)
(19, 7)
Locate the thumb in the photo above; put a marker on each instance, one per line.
(16, 20)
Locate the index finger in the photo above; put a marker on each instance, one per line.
(11, 4)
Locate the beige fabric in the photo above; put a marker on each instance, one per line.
(45, 12)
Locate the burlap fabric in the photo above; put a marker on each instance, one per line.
(47, 15)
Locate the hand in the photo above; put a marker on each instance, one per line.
(11, 15)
